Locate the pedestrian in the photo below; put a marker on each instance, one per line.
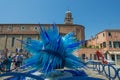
(8, 64)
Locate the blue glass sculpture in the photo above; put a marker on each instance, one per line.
(52, 51)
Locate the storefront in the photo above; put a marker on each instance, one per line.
(115, 56)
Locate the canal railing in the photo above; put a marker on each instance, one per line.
(109, 70)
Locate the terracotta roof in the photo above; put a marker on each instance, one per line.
(44, 24)
(109, 30)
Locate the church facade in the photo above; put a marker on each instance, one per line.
(9, 33)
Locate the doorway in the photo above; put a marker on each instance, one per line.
(113, 57)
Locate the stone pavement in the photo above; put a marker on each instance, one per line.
(89, 72)
(95, 74)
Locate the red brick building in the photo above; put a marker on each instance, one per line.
(107, 42)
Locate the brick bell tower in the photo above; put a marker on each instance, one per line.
(68, 17)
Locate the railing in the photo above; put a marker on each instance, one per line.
(108, 70)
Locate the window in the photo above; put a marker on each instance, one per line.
(83, 56)
(28, 40)
(9, 27)
(109, 34)
(35, 28)
(12, 42)
(110, 44)
(101, 45)
(95, 57)
(103, 34)
(118, 57)
(104, 44)
(22, 27)
(116, 44)
(113, 57)
(90, 56)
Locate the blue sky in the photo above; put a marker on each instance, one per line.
(95, 15)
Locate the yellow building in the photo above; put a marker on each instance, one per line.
(10, 32)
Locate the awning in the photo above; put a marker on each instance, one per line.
(114, 52)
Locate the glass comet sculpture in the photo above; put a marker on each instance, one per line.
(52, 51)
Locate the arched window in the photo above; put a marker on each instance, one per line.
(109, 34)
(12, 41)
